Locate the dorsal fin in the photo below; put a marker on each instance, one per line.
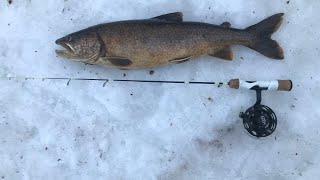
(226, 24)
(225, 53)
(174, 17)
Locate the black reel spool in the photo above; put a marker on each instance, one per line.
(259, 120)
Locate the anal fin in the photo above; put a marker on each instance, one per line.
(225, 53)
(180, 60)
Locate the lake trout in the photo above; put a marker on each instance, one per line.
(166, 39)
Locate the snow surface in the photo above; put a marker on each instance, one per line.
(49, 130)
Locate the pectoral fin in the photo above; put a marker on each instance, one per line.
(174, 17)
(120, 62)
(225, 53)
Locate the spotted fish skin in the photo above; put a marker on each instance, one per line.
(166, 39)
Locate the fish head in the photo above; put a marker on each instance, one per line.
(81, 46)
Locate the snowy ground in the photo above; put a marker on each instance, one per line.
(49, 130)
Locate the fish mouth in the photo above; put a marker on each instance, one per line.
(67, 52)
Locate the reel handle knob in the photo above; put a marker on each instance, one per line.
(277, 85)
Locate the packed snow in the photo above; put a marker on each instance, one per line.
(53, 129)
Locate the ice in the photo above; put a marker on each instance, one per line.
(51, 130)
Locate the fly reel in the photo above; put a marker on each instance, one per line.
(260, 120)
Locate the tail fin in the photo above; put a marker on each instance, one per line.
(263, 30)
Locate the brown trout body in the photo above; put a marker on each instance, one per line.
(165, 39)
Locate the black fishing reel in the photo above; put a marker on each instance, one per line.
(259, 120)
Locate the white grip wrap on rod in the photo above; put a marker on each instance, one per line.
(270, 85)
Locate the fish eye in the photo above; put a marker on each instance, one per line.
(69, 38)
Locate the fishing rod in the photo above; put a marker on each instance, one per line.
(259, 120)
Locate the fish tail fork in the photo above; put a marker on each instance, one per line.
(263, 42)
